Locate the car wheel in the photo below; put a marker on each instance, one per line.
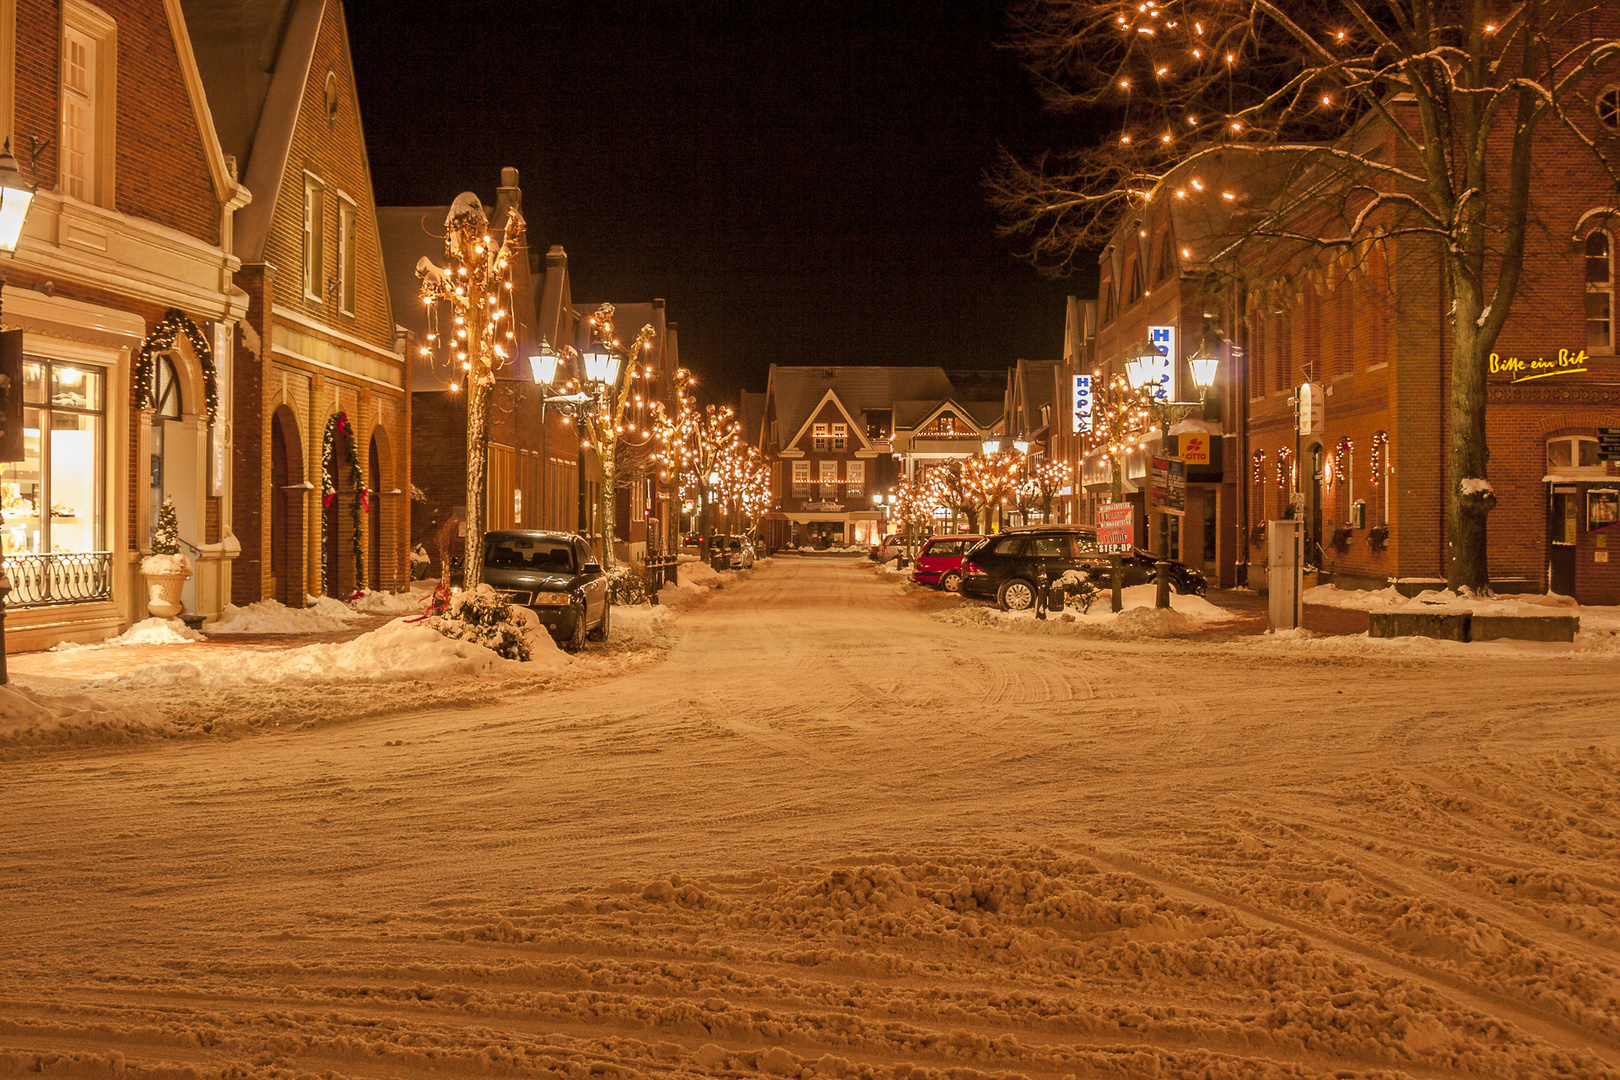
(601, 632)
(576, 640)
(951, 582)
(1016, 594)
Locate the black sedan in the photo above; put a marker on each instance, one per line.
(1006, 568)
(554, 575)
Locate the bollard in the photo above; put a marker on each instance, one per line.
(1162, 570)
(1041, 589)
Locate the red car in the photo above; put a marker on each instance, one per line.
(940, 562)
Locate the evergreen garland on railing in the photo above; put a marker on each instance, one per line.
(338, 423)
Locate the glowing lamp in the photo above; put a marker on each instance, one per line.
(991, 445)
(601, 363)
(1143, 371)
(1203, 370)
(544, 365)
(1021, 445)
(16, 196)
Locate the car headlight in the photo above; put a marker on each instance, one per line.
(552, 599)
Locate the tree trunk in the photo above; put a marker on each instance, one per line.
(1467, 565)
(604, 497)
(472, 559)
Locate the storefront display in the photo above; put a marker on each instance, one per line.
(53, 531)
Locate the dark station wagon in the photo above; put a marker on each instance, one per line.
(554, 575)
(1006, 567)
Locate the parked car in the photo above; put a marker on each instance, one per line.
(1005, 567)
(888, 549)
(939, 563)
(742, 552)
(554, 575)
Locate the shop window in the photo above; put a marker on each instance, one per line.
(1599, 291)
(1573, 453)
(53, 501)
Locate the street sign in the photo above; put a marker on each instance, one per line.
(1082, 403)
(1116, 528)
(11, 396)
(1312, 408)
(1168, 485)
(1608, 443)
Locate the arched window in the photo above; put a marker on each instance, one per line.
(1608, 108)
(1599, 292)
(1573, 453)
(1135, 279)
(165, 389)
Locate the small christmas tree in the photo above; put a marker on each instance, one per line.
(166, 537)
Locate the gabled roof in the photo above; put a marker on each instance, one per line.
(796, 392)
(255, 57)
(981, 414)
(855, 427)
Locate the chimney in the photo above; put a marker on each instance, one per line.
(508, 197)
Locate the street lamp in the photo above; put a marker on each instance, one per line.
(991, 446)
(601, 364)
(16, 197)
(1021, 445)
(544, 365)
(1204, 364)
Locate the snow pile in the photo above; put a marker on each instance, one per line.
(384, 603)
(642, 624)
(486, 617)
(273, 617)
(399, 650)
(1137, 618)
(153, 631)
(331, 608)
(27, 716)
(696, 575)
(1353, 599)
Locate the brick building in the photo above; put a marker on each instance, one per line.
(838, 437)
(534, 453)
(1367, 329)
(321, 394)
(123, 287)
(539, 475)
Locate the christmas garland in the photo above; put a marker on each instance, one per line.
(336, 424)
(161, 340)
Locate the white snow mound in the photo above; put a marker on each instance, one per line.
(27, 716)
(273, 617)
(397, 651)
(152, 631)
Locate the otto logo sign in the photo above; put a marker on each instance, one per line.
(1195, 448)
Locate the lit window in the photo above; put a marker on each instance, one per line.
(819, 433)
(314, 235)
(346, 259)
(855, 476)
(840, 436)
(801, 478)
(88, 80)
(1573, 452)
(53, 498)
(829, 472)
(1599, 291)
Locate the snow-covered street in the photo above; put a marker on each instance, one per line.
(835, 832)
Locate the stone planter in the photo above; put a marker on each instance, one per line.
(163, 593)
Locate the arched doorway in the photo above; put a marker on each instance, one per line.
(165, 418)
(381, 477)
(339, 527)
(286, 508)
(374, 521)
(1313, 507)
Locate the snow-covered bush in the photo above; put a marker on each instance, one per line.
(483, 617)
(166, 557)
(630, 586)
(421, 562)
(1078, 588)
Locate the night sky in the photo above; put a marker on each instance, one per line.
(801, 181)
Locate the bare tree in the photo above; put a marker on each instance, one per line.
(1374, 119)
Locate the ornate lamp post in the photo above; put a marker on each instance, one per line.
(546, 367)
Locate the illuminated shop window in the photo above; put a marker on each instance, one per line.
(52, 500)
(1572, 452)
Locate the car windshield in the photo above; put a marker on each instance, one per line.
(534, 553)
